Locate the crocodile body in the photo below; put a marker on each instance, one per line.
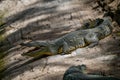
(73, 40)
(78, 73)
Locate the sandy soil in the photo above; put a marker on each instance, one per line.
(50, 19)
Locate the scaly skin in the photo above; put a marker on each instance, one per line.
(73, 40)
(78, 73)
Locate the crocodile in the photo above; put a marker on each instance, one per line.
(79, 73)
(71, 41)
(91, 23)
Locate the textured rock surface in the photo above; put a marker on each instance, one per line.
(49, 19)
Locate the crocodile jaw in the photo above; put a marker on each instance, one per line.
(42, 51)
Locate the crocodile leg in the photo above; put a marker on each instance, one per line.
(65, 48)
(93, 44)
(95, 40)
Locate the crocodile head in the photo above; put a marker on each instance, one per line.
(37, 50)
(82, 68)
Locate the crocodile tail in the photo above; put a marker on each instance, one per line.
(35, 44)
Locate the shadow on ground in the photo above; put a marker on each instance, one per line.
(51, 23)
